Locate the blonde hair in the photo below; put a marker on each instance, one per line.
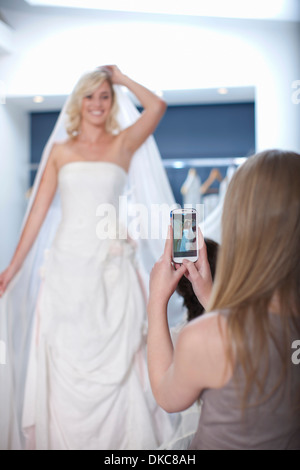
(86, 86)
(259, 259)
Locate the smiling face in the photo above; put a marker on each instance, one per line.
(93, 101)
(96, 107)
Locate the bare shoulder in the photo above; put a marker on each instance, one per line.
(60, 152)
(209, 327)
(61, 147)
(204, 341)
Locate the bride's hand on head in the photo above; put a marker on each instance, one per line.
(115, 73)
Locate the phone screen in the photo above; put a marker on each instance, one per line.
(184, 234)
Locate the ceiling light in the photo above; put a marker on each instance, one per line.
(223, 91)
(38, 99)
(179, 164)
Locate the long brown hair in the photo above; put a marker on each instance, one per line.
(259, 261)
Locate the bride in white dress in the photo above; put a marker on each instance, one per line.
(87, 382)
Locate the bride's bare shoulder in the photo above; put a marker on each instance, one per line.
(61, 151)
(63, 146)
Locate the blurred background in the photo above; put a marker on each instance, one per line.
(229, 70)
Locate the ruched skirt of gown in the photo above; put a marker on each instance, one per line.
(87, 384)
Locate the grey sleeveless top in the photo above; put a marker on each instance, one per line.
(271, 424)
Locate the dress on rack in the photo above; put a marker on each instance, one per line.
(190, 189)
(87, 384)
(211, 227)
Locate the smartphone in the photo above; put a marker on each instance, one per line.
(185, 234)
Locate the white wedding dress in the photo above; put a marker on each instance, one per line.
(87, 383)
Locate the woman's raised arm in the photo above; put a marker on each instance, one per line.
(154, 109)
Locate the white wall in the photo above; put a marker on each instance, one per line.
(169, 53)
(14, 144)
(52, 51)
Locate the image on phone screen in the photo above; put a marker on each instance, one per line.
(184, 235)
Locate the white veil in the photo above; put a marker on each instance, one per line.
(147, 185)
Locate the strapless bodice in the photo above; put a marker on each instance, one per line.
(88, 183)
(88, 189)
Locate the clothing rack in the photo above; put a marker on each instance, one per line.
(201, 162)
(188, 162)
(33, 166)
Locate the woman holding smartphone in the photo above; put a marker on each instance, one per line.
(86, 385)
(238, 358)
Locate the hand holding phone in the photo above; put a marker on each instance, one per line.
(199, 272)
(164, 277)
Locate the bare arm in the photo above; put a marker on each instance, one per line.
(198, 361)
(154, 109)
(163, 282)
(35, 220)
(178, 375)
(199, 273)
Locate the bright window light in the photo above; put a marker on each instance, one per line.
(255, 9)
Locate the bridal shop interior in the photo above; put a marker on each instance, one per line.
(97, 350)
(228, 70)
